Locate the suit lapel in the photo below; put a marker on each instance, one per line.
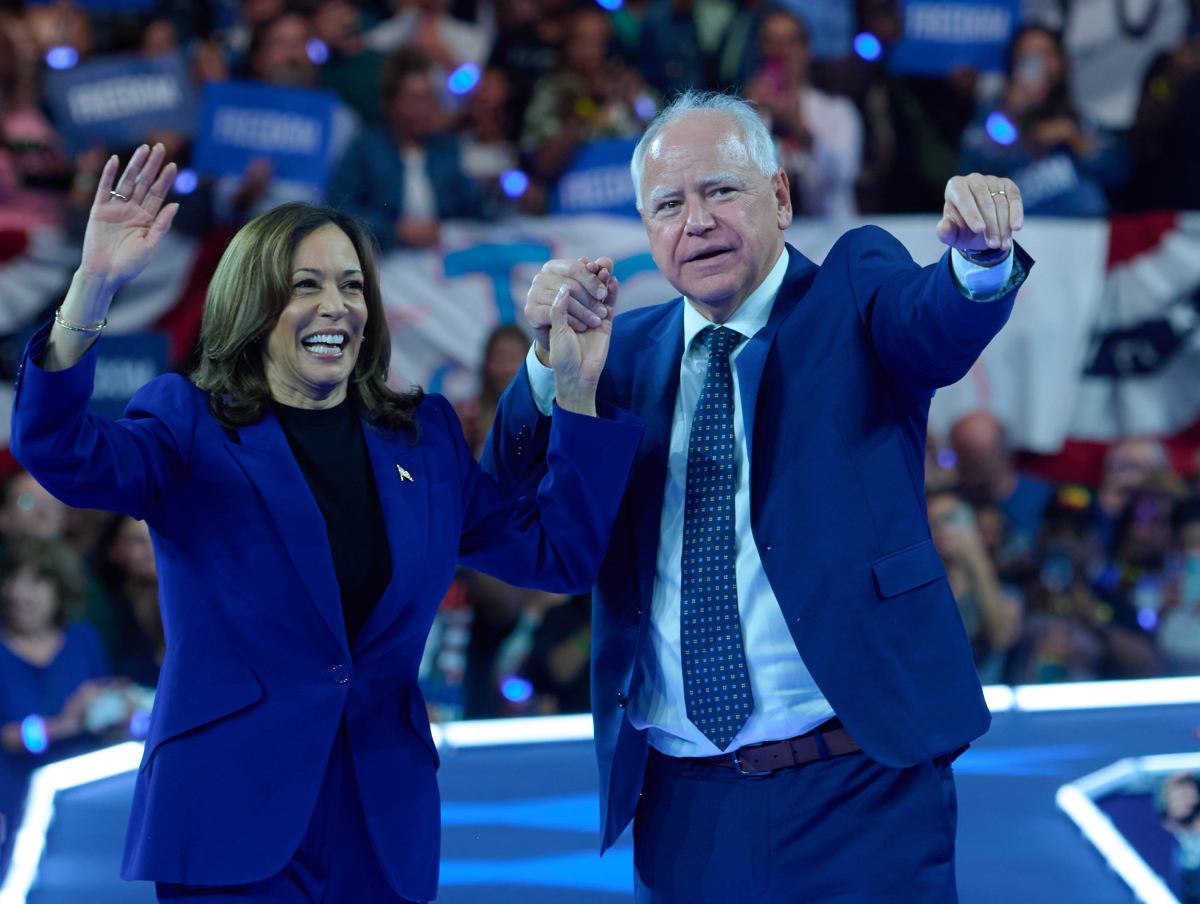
(753, 357)
(655, 387)
(264, 455)
(402, 480)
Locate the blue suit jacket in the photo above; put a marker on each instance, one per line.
(258, 672)
(836, 390)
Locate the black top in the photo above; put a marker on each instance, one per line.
(332, 453)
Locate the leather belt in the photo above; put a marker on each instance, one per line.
(823, 742)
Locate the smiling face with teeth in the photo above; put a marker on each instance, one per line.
(312, 349)
(715, 222)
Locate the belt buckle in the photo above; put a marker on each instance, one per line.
(737, 764)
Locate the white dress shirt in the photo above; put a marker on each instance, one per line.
(787, 701)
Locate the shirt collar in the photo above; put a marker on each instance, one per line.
(751, 315)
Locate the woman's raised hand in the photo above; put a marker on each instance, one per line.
(128, 219)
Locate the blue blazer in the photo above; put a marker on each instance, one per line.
(836, 390)
(258, 673)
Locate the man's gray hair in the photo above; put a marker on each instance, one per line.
(757, 136)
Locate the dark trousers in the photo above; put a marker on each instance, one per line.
(336, 862)
(844, 830)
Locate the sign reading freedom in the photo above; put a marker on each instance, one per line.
(943, 35)
(242, 121)
(119, 101)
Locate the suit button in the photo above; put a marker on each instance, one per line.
(339, 674)
(621, 700)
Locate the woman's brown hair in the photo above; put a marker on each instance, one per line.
(248, 292)
(49, 560)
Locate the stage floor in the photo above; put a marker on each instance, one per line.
(520, 819)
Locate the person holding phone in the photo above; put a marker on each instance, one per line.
(818, 136)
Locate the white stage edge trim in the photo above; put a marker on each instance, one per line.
(46, 782)
(1077, 800)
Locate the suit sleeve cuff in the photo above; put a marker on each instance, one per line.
(541, 382)
(981, 283)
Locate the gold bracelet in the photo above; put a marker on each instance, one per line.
(76, 328)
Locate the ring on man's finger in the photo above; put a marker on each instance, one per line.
(998, 191)
(113, 193)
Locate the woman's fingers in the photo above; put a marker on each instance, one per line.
(128, 181)
(162, 223)
(104, 186)
(159, 190)
(148, 174)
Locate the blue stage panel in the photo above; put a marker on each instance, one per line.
(521, 820)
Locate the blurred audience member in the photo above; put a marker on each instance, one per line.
(352, 70)
(1061, 163)
(427, 26)
(1131, 464)
(34, 168)
(125, 564)
(991, 614)
(278, 55)
(1165, 173)
(818, 136)
(503, 354)
(27, 510)
(1178, 633)
(235, 39)
(51, 668)
(557, 665)
(682, 43)
(913, 124)
(831, 25)
(488, 150)
(988, 474)
(404, 178)
(1179, 808)
(593, 96)
(527, 45)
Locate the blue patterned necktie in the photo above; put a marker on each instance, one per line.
(716, 680)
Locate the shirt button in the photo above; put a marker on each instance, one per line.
(339, 674)
(621, 700)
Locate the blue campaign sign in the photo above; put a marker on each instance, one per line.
(242, 121)
(118, 101)
(942, 35)
(598, 180)
(126, 363)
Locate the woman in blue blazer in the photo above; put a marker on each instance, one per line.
(306, 521)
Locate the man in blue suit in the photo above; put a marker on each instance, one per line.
(781, 678)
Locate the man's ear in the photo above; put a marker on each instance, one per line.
(783, 199)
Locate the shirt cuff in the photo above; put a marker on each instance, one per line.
(541, 382)
(980, 283)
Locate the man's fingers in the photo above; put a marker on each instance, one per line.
(985, 202)
(580, 273)
(558, 310)
(1016, 206)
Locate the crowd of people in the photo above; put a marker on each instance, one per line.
(1054, 582)
(436, 100)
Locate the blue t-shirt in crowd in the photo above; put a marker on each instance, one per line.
(1025, 510)
(27, 689)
